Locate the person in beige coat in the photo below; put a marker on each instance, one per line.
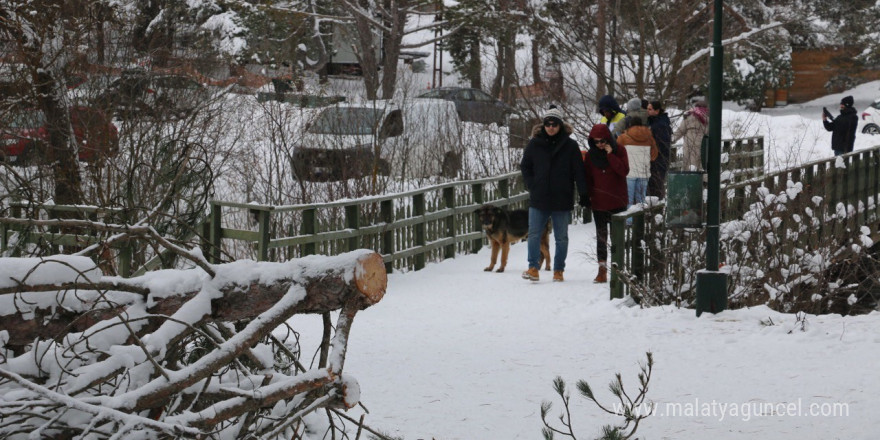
(692, 128)
(642, 150)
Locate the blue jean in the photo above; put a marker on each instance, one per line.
(537, 222)
(637, 187)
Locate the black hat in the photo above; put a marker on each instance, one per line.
(847, 101)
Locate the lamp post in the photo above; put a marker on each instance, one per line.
(711, 283)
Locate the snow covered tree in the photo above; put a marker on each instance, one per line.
(760, 64)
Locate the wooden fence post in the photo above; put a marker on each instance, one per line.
(353, 222)
(418, 201)
(637, 236)
(387, 213)
(449, 197)
(309, 226)
(216, 233)
(477, 190)
(504, 190)
(263, 244)
(618, 242)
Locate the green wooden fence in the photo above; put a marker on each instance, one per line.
(408, 229)
(851, 180)
(741, 158)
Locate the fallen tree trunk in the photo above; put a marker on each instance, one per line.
(326, 290)
(130, 352)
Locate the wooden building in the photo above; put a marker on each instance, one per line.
(813, 69)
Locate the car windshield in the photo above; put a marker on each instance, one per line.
(347, 120)
(433, 94)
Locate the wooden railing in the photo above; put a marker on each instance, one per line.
(407, 229)
(853, 182)
(741, 159)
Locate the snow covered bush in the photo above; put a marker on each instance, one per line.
(794, 249)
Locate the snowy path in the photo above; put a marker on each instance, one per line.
(453, 352)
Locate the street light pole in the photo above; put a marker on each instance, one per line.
(711, 283)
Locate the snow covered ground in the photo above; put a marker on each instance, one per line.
(453, 352)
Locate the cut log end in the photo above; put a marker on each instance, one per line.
(370, 277)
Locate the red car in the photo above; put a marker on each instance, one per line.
(24, 135)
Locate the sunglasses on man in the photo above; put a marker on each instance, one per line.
(551, 124)
(600, 141)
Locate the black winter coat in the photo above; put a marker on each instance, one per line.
(843, 130)
(662, 131)
(551, 168)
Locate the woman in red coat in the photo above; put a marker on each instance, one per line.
(606, 165)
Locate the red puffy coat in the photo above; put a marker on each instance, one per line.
(606, 173)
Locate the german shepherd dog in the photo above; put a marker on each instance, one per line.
(504, 227)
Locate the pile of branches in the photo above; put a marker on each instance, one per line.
(176, 353)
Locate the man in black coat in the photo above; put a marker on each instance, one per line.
(552, 165)
(661, 128)
(842, 128)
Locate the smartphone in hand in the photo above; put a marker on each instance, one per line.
(827, 113)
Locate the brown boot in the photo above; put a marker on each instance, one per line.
(531, 274)
(602, 277)
(557, 275)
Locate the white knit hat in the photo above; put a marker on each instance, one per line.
(553, 112)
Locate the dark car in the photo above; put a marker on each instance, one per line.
(473, 105)
(158, 95)
(24, 135)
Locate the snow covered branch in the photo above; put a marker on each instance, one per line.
(159, 353)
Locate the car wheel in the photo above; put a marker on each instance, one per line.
(451, 165)
(871, 129)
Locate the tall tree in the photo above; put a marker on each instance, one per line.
(387, 19)
(44, 35)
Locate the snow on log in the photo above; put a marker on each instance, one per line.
(47, 298)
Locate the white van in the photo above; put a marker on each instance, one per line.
(412, 138)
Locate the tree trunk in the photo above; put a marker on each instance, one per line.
(536, 60)
(367, 56)
(325, 291)
(62, 148)
(391, 51)
(475, 69)
(601, 30)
